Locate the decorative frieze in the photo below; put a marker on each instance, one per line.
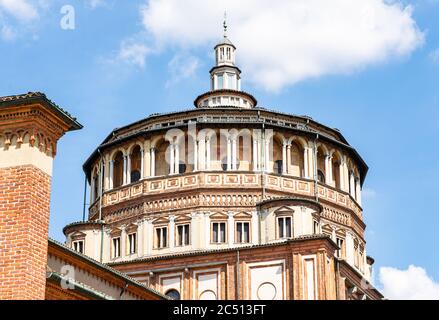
(288, 186)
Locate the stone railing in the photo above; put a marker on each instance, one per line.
(170, 186)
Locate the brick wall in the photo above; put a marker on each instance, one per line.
(24, 222)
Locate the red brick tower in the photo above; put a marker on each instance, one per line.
(30, 126)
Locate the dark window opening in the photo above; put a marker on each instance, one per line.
(182, 168)
(135, 176)
(173, 294)
(320, 176)
(278, 166)
(224, 164)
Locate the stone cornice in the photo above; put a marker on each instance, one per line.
(39, 98)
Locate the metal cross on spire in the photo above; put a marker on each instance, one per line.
(225, 24)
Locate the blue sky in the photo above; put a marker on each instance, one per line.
(120, 64)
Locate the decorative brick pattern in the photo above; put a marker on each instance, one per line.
(24, 221)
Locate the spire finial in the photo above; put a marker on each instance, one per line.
(225, 24)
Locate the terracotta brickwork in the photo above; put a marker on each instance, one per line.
(233, 285)
(24, 221)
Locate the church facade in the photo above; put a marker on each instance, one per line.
(229, 200)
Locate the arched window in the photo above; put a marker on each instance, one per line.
(136, 163)
(162, 158)
(118, 170)
(320, 176)
(297, 160)
(244, 150)
(276, 155)
(95, 186)
(173, 294)
(321, 167)
(336, 161)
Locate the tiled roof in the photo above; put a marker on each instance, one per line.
(105, 267)
(79, 223)
(291, 199)
(35, 96)
(79, 286)
(342, 142)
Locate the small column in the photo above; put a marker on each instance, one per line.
(327, 169)
(171, 232)
(106, 245)
(152, 152)
(207, 229)
(234, 165)
(195, 155)
(208, 154)
(148, 237)
(305, 162)
(177, 159)
(110, 184)
(349, 248)
(284, 158)
(288, 162)
(171, 158)
(140, 235)
(142, 163)
(254, 228)
(358, 191)
(147, 158)
(230, 229)
(267, 156)
(341, 175)
(96, 245)
(107, 174)
(330, 173)
(352, 185)
(215, 82)
(92, 189)
(259, 152)
(124, 170)
(229, 155)
(255, 154)
(345, 175)
(194, 231)
(100, 178)
(202, 154)
(128, 169)
(123, 241)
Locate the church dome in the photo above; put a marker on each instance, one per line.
(225, 174)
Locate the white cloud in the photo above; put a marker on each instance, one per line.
(411, 284)
(182, 66)
(96, 3)
(282, 42)
(434, 56)
(20, 17)
(133, 52)
(7, 33)
(22, 10)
